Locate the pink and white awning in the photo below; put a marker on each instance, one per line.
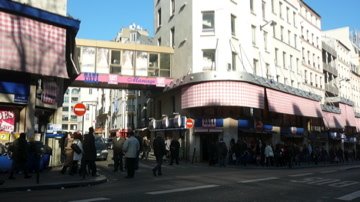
(291, 104)
(222, 93)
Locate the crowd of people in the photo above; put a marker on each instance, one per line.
(258, 152)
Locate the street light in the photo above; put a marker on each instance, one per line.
(271, 23)
(88, 104)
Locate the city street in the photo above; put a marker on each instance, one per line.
(199, 182)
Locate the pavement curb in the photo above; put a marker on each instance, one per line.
(58, 185)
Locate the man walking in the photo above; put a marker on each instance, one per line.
(89, 156)
(19, 151)
(131, 148)
(118, 154)
(174, 151)
(159, 152)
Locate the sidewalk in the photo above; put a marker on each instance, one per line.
(49, 179)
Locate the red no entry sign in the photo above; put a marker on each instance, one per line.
(189, 123)
(79, 109)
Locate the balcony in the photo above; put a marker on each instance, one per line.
(330, 68)
(332, 89)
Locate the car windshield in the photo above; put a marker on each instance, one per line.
(100, 143)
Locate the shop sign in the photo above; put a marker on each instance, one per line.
(7, 120)
(53, 128)
(209, 123)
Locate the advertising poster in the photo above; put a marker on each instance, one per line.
(7, 123)
(102, 61)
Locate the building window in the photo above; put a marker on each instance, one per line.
(295, 41)
(284, 60)
(255, 63)
(252, 6)
(281, 33)
(159, 18)
(208, 59)
(159, 42)
(280, 10)
(233, 25)
(287, 15)
(289, 37)
(305, 76)
(253, 34)
(294, 19)
(276, 56)
(265, 41)
(233, 60)
(291, 62)
(172, 37)
(274, 31)
(272, 6)
(64, 127)
(267, 66)
(115, 67)
(172, 7)
(208, 22)
(263, 8)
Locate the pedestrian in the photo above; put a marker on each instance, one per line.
(77, 154)
(159, 152)
(174, 151)
(167, 147)
(140, 140)
(269, 155)
(69, 152)
(89, 156)
(146, 148)
(222, 152)
(118, 153)
(19, 151)
(131, 148)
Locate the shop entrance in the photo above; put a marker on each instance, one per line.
(208, 143)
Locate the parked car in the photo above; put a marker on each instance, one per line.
(101, 148)
(109, 142)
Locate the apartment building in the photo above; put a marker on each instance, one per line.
(242, 69)
(311, 51)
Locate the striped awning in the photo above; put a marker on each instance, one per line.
(222, 93)
(333, 120)
(285, 103)
(348, 114)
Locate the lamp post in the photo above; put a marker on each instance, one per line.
(271, 23)
(90, 106)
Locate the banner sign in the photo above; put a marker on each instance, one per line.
(7, 121)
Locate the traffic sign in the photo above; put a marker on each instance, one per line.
(79, 109)
(189, 123)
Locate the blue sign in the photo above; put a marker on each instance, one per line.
(91, 77)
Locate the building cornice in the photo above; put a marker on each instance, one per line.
(239, 77)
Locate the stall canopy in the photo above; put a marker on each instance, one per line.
(347, 113)
(290, 104)
(333, 120)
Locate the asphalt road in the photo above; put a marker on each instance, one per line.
(198, 182)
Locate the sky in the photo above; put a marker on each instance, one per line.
(102, 19)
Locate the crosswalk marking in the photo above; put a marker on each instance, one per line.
(328, 171)
(259, 180)
(350, 197)
(182, 189)
(92, 199)
(301, 174)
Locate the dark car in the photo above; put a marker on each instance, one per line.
(109, 142)
(101, 148)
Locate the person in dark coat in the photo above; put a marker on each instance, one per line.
(174, 151)
(20, 151)
(118, 153)
(89, 156)
(159, 152)
(222, 152)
